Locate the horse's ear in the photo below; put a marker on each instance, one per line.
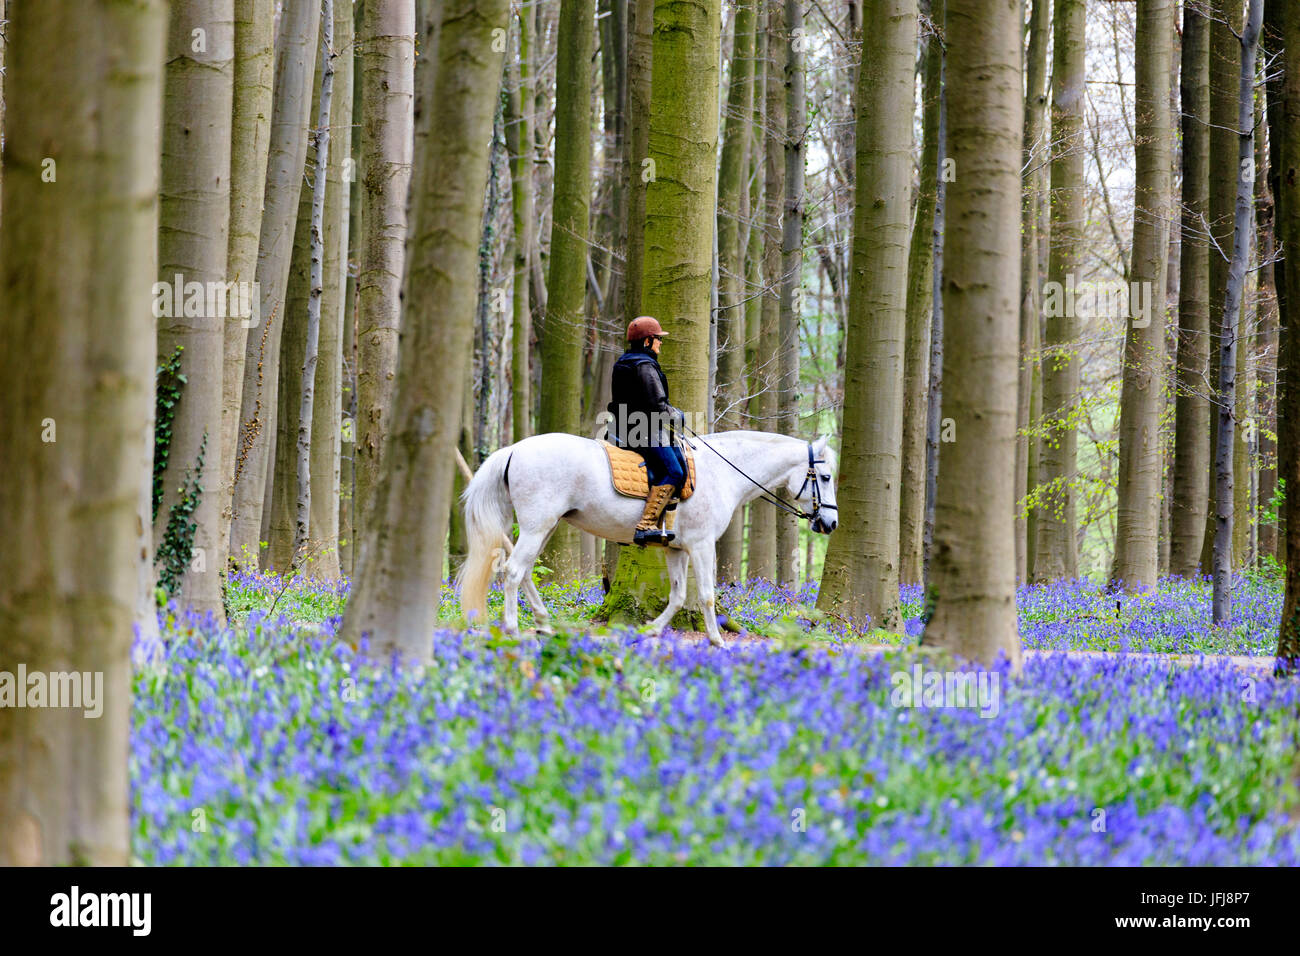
(819, 445)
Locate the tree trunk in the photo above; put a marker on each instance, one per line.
(679, 223)
(193, 235)
(640, 57)
(1223, 461)
(796, 105)
(250, 130)
(762, 530)
(860, 578)
(1055, 552)
(1284, 111)
(327, 417)
(754, 249)
(406, 540)
(519, 140)
(282, 497)
(916, 350)
(1225, 68)
(973, 587)
(1140, 466)
(934, 393)
(561, 334)
(1034, 155)
(291, 110)
(1192, 405)
(302, 530)
(78, 255)
(1268, 337)
(733, 209)
(387, 97)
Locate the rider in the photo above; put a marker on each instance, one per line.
(639, 401)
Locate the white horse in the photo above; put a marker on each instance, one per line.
(554, 477)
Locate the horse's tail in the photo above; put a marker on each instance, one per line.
(487, 523)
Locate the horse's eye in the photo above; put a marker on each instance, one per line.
(826, 477)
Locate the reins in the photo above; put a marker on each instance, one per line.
(771, 496)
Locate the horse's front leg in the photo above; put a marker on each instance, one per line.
(677, 561)
(705, 558)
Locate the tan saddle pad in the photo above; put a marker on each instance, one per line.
(627, 469)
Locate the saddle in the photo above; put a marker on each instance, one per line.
(627, 471)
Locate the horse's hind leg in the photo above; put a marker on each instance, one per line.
(519, 570)
(540, 614)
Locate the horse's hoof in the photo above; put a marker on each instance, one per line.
(545, 630)
(719, 643)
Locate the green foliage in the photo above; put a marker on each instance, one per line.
(1272, 511)
(177, 546)
(168, 385)
(1269, 572)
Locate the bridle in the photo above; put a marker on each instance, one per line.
(768, 495)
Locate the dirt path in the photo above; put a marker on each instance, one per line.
(1242, 662)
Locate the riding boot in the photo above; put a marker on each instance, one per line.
(647, 529)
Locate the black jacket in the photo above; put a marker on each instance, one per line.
(638, 386)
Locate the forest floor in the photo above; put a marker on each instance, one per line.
(1134, 734)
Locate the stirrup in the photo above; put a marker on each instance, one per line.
(652, 536)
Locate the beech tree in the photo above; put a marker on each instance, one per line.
(561, 334)
(387, 51)
(973, 585)
(295, 61)
(405, 544)
(860, 579)
(1140, 465)
(1192, 405)
(1056, 551)
(733, 190)
(250, 129)
(193, 236)
(678, 244)
(84, 90)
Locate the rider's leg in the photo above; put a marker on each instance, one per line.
(664, 469)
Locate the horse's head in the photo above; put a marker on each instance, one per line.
(813, 483)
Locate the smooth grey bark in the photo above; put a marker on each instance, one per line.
(193, 239)
(934, 388)
(1191, 466)
(327, 418)
(973, 584)
(762, 563)
(1223, 458)
(733, 210)
(796, 133)
(860, 576)
(78, 255)
(916, 346)
(387, 102)
(290, 115)
(1033, 156)
(405, 544)
(307, 402)
(1140, 452)
(250, 129)
(1056, 550)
